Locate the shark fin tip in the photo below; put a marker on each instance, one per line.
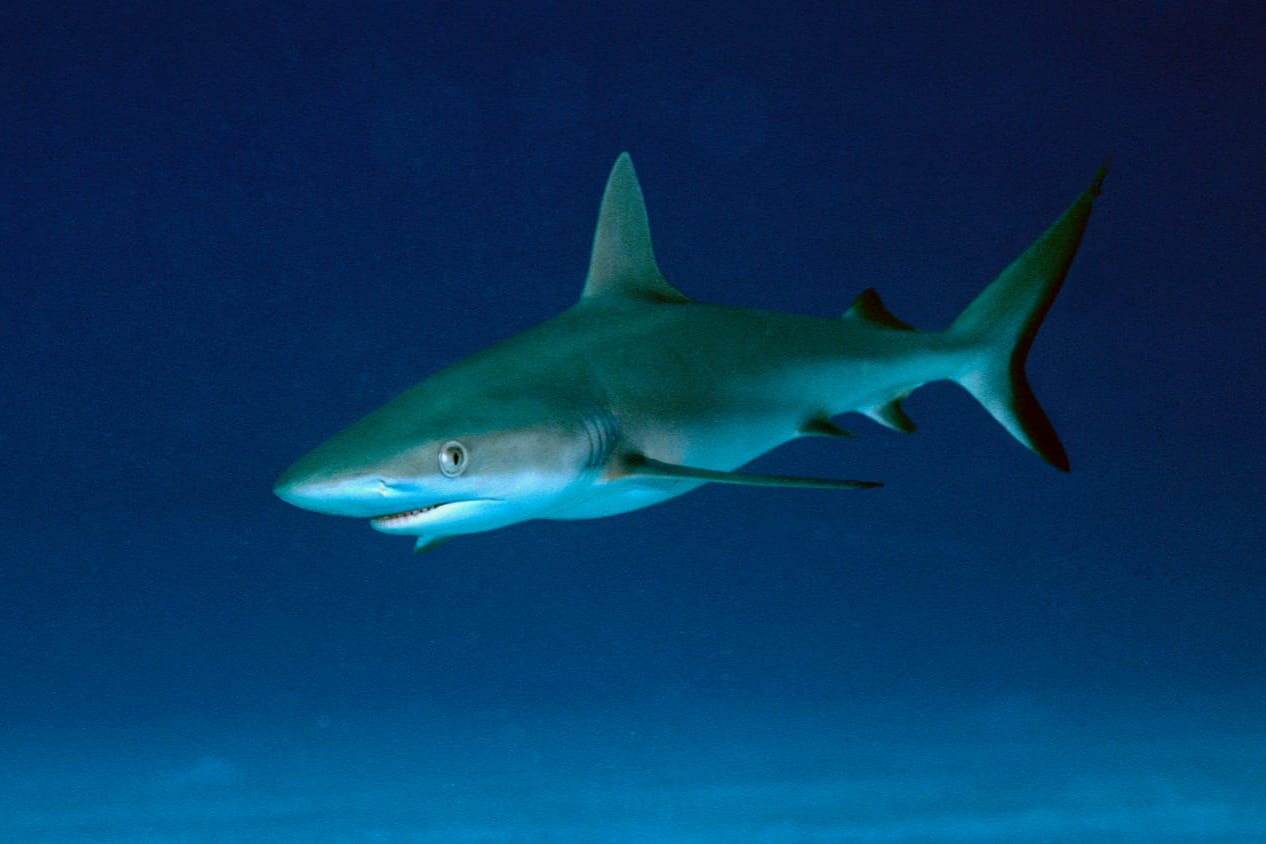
(1096, 184)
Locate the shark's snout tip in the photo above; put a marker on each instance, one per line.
(284, 490)
(292, 495)
(358, 497)
(300, 491)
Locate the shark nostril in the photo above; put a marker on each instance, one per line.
(386, 487)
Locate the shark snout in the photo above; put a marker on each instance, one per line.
(359, 497)
(306, 495)
(312, 495)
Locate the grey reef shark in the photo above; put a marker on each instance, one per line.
(638, 394)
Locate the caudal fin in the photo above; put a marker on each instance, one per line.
(1002, 321)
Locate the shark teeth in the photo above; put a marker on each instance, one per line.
(396, 519)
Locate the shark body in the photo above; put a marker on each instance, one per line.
(637, 394)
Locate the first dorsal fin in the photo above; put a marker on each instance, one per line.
(623, 262)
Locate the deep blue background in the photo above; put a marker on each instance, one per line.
(227, 231)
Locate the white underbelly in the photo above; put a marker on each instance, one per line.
(622, 496)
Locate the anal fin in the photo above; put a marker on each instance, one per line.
(891, 415)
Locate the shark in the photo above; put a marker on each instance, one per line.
(637, 394)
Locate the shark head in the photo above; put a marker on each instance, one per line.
(435, 464)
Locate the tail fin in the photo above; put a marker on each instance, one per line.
(1002, 321)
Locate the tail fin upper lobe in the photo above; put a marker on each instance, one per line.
(1003, 320)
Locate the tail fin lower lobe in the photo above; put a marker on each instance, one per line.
(1003, 320)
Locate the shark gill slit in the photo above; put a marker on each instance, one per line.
(602, 431)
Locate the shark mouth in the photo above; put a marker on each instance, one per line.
(405, 519)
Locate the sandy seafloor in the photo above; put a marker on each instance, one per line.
(1006, 771)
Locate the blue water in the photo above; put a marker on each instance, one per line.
(227, 232)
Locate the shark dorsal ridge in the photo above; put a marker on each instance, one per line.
(623, 260)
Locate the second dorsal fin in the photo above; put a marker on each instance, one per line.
(868, 308)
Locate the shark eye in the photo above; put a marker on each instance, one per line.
(452, 458)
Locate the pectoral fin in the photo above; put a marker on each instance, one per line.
(640, 466)
(429, 543)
